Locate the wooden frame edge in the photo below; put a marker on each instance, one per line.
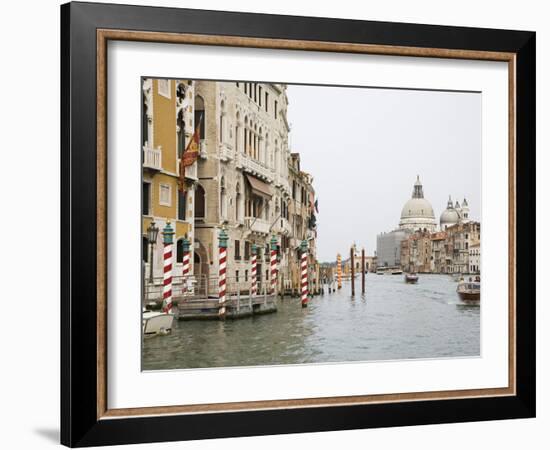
(104, 35)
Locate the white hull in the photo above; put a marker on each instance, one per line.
(155, 322)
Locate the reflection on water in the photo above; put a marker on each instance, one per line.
(393, 320)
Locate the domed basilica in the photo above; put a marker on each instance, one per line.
(418, 214)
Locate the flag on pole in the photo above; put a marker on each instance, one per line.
(317, 206)
(190, 155)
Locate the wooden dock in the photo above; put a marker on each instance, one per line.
(237, 307)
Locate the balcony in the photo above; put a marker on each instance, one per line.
(254, 167)
(226, 152)
(152, 158)
(256, 225)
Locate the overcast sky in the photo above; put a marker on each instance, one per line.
(364, 148)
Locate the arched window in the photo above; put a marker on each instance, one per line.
(222, 120)
(245, 149)
(237, 131)
(238, 200)
(200, 115)
(180, 126)
(200, 204)
(182, 205)
(260, 145)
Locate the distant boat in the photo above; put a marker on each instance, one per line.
(411, 278)
(156, 322)
(396, 271)
(380, 271)
(469, 291)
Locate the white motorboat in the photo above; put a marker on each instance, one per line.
(156, 322)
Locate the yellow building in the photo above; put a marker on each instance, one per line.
(168, 124)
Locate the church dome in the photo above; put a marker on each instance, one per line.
(417, 207)
(450, 216)
(417, 213)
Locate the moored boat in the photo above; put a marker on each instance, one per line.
(396, 271)
(469, 291)
(411, 278)
(156, 322)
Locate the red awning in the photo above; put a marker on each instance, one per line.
(259, 187)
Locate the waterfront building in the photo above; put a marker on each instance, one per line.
(168, 124)
(417, 213)
(438, 258)
(388, 248)
(242, 175)
(459, 239)
(416, 252)
(474, 259)
(298, 215)
(370, 261)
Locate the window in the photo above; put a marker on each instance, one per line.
(146, 199)
(266, 101)
(199, 202)
(275, 108)
(200, 116)
(182, 203)
(260, 95)
(246, 250)
(164, 88)
(165, 194)
(237, 276)
(237, 250)
(222, 119)
(246, 275)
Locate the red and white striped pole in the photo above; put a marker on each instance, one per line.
(273, 265)
(222, 247)
(168, 235)
(186, 257)
(304, 274)
(253, 280)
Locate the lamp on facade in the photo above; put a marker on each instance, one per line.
(152, 234)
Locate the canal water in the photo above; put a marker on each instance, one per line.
(393, 320)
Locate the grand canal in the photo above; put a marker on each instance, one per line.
(393, 320)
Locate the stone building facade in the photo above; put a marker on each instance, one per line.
(239, 183)
(243, 174)
(167, 127)
(299, 215)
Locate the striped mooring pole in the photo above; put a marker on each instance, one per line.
(254, 285)
(186, 256)
(273, 265)
(303, 270)
(168, 238)
(222, 247)
(339, 270)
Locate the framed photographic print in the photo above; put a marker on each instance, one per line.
(277, 224)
